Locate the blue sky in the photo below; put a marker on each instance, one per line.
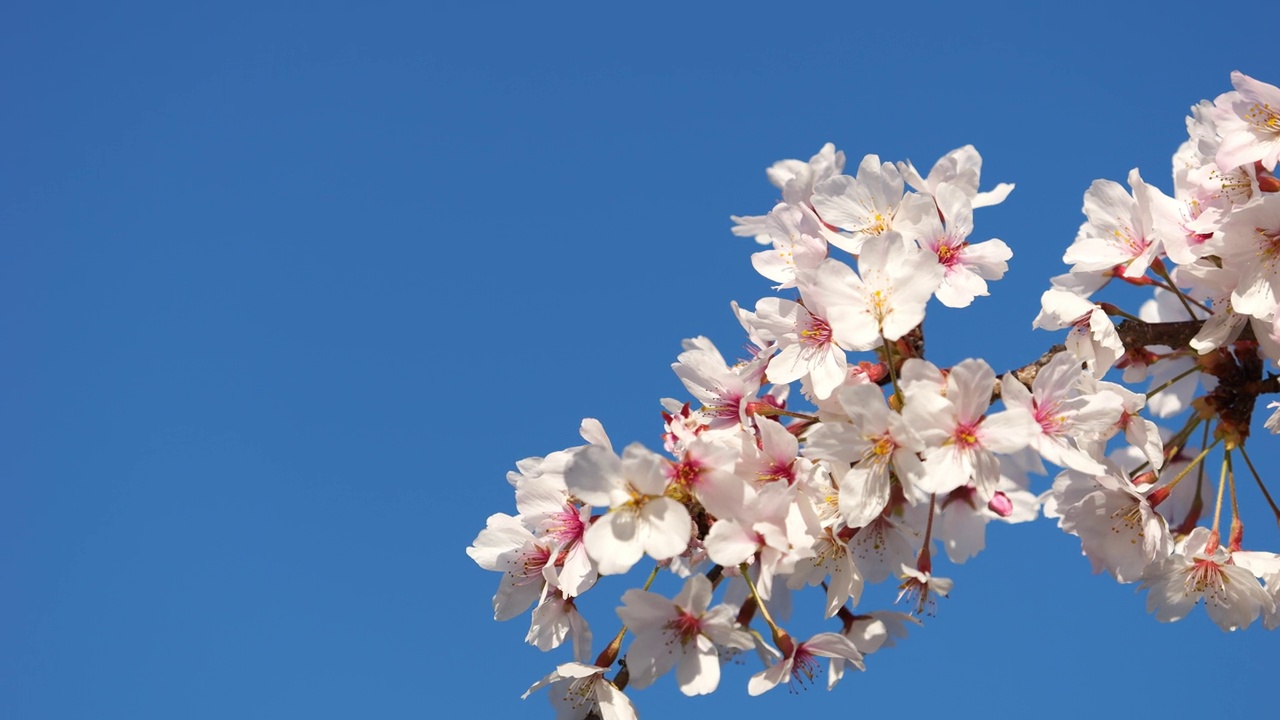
(287, 290)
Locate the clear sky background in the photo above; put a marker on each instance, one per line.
(286, 290)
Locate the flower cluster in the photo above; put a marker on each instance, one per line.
(884, 460)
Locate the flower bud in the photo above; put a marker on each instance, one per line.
(1000, 504)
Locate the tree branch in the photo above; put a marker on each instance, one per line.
(1134, 334)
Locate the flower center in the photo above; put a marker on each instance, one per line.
(534, 561)
(817, 333)
(804, 666)
(884, 445)
(966, 436)
(1268, 245)
(1128, 519)
(686, 627)
(581, 692)
(1263, 117)
(1205, 575)
(687, 473)
(1236, 187)
(566, 526)
(948, 251)
(877, 225)
(726, 406)
(1050, 422)
(777, 471)
(879, 304)
(916, 592)
(881, 450)
(1133, 245)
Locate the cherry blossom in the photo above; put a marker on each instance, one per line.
(1118, 528)
(879, 441)
(797, 243)
(882, 546)
(869, 205)
(555, 619)
(1200, 569)
(807, 344)
(547, 509)
(884, 300)
(770, 523)
(1063, 413)
(966, 267)
(921, 589)
(680, 633)
(1249, 123)
(796, 179)
(507, 546)
(640, 519)
(1093, 337)
(799, 661)
(725, 392)
(961, 439)
(832, 565)
(961, 168)
(1120, 229)
(1251, 249)
(577, 690)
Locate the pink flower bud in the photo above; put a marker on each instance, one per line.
(1000, 504)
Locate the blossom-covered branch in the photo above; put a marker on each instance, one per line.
(837, 456)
